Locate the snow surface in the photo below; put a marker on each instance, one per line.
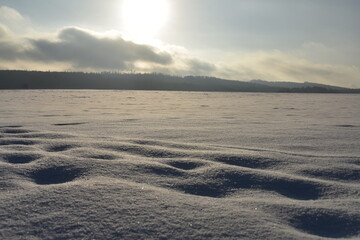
(178, 165)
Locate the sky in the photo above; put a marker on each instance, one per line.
(274, 40)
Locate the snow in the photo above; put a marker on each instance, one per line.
(87, 164)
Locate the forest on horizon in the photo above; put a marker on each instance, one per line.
(21, 79)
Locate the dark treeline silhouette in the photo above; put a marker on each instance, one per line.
(13, 79)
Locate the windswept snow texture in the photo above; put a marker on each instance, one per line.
(178, 165)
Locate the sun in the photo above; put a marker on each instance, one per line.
(144, 18)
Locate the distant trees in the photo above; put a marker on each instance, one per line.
(14, 79)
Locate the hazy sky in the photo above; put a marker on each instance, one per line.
(275, 40)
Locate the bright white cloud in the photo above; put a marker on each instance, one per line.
(10, 15)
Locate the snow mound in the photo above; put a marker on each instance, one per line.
(77, 186)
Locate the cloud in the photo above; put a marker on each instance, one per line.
(182, 66)
(4, 32)
(84, 49)
(280, 66)
(200, 67)
(10, 49)
(14, 20)
(80, 49)
(10, 15)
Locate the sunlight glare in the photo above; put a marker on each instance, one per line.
(144, 18)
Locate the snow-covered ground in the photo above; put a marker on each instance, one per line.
(178, 165)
